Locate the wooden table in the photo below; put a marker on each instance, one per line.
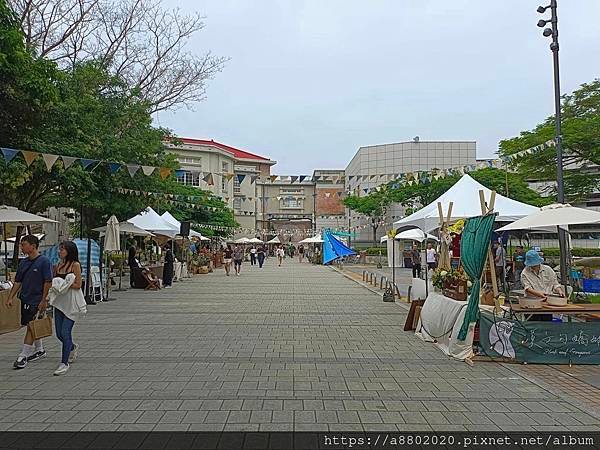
(569, 310)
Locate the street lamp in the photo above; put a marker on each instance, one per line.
(553, 31)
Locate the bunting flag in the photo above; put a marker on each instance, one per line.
(293, 178)
(164, 172)
(68, 161)
(302, 178)
(87, 162)
(240, 178)
(229, 176)
(114, 167)
(9, 154)
(148, 170)
(29, 156)
(132, 169)
(208, 178)
(49, 160)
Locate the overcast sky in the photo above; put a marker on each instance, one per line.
(309, 82)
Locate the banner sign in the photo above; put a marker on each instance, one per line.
(540, 342)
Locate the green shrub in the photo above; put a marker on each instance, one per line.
(576, 251)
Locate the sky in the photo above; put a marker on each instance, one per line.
(308, 82)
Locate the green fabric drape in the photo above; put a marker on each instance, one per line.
(474, 245)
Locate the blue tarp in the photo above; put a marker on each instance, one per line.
(52, 254)
(334, 249)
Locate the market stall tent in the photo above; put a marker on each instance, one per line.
(465, 198)
(168, 217)
(555, 215)
(397, 252)
(149, 220)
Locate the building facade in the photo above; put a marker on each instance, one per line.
(375, 165)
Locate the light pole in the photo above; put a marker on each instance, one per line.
(553, 31)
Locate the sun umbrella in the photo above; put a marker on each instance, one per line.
(126, 228)
(14, 216)
(556, 215)
(112, 241)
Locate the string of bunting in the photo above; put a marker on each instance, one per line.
(50, 159)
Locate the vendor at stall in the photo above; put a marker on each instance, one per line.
(539, 280)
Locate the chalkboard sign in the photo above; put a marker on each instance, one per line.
(540, 342)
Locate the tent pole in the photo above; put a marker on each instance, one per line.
(5, 250)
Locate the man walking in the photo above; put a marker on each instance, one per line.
(415, 256)
(500, 262)
(238, 256)
(260, 254)
(33, 280)
(253, 256)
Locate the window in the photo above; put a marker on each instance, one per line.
(189, 179)
(190, 160)
(237, 203)
(291, 203)
(225, 170)
(236, 185)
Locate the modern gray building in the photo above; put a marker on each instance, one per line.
(375, 165)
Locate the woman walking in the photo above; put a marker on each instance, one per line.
(227, 257)
(260, 255)
(300, 253)
(253, 256)
(67, 299)
(280, 254)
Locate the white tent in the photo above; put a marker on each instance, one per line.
(254, 240)
(126, 228)
(242, 240)
(149, 220)
(465, 198)
(312, 240)
(411, 235)
(556, 215)
(275, 240)
(168, 217)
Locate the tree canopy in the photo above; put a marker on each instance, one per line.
(581, 142)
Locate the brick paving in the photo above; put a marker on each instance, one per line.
(299, 347)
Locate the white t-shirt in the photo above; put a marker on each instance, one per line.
(252, 250)
(431, 255)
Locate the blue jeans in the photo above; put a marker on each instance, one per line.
(64, 327)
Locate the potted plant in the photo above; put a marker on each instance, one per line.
(454, 283)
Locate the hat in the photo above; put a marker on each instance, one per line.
(533, 258)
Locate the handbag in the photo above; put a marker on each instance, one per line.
(41, 326)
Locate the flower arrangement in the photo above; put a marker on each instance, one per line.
(442, 277)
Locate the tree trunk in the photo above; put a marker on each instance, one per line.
(375, 227)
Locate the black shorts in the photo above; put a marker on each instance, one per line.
(28, 313)
(237, 262)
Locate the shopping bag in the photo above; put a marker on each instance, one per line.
(41, 326)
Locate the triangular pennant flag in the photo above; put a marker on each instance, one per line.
(302, 178)
(229, 176)
(180, 173)
(148, 170)
(293, 178)
(49, 160)
(114, 167)
(327, 194)
(273, 178)
(208, 178)
(132, 169)
(316, 178)
(29, 156)
(9, 154)
(87, 162)
(240, 177)
(164, 172)
(68, 161)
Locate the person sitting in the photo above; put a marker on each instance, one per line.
(151, 281)
(539, 280)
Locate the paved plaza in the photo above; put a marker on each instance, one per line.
(300, 347)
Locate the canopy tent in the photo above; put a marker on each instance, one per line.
(275, 240)
(464, 196)
(255, 240)
(126, 228)
(242, 240)
(556, 215)
(168, 217)
(334, 249)
(312, 240)
(411, 235)
(149, 220)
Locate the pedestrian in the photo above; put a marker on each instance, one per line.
(431, 256)
(260, 255)
(300, 253)
(168, 268)
(500, 262)
(132, 262)
(227, 257)
(253, 256)
(415, 255)
(238, 256)
(280, 254)
(33, 280)
(68, 302)
(518, 264)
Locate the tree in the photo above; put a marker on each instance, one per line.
(137, 41)
(373, 206)
(581, 143)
